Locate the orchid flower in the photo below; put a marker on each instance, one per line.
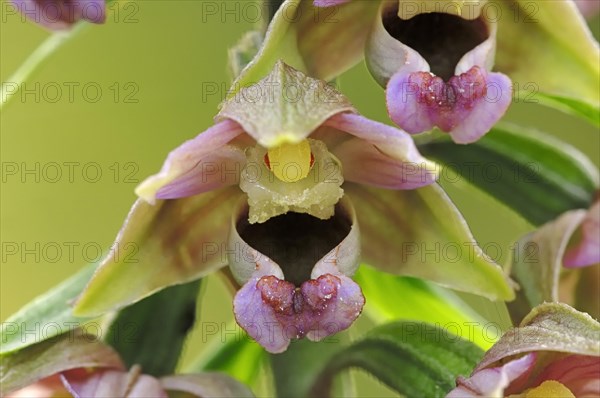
(80, 365)
(62, 14)
(551, 261)
(585, 250)
(435, 57)
(554, 353)
(436, 68)
(276, 189)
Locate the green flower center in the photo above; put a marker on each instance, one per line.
(301, 178)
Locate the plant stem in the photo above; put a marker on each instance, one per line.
(13, 84)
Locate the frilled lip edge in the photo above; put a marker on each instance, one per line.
(295, 270)
(436, 70)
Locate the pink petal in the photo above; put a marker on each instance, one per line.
(467, 106)
(493, 381)
(587, 249)
(388, 158)
(49, 387)
(199, 165)
(61, 14)
(579, 373)
(273, 311)
(329, 3)
(110, 384)
(588, 8)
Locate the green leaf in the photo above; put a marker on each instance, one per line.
(421, 233)
(548, 43)
(322, 42)
(239, 356)
(169, 243)
(46, 316)
(535, 174)
(394, 297)
(415, 359)
(151, 332)
(573, 106)
(60, 353)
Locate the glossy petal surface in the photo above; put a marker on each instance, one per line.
(467, 106)
(274, 311)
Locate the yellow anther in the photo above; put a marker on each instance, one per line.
(550, 389)
(290, 162)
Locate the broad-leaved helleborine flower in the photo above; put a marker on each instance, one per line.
(435, 63)
(285, 147)
(435, 59)
(554, 353)
(62, 14)
(557, 262)
(79, 365)
(271, 191)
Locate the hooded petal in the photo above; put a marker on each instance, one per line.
(420, 233)
(201, 164)
(492, 382)
(62, 14)
(280, 303)
(390, 161)
(111, 383)
(206, 385)
(587, 249)
(435, 67)
(169, 243)
(284, 107)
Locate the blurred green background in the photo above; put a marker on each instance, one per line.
(166, 60)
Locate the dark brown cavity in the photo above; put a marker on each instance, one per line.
(442, 39)
(296, 242)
